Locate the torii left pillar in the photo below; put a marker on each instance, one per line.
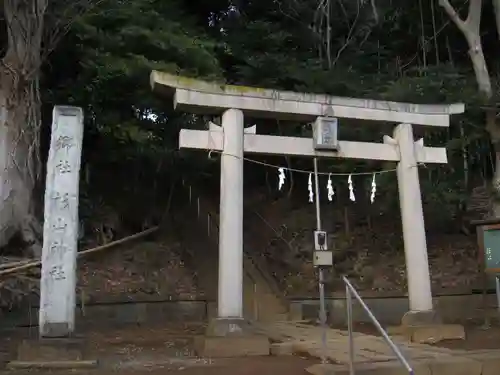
(230, 292)
(230, 318)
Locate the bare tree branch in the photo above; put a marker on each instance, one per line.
(63, 21)
(349, 36)
(474, 17)
(452, 13)
(430, 40)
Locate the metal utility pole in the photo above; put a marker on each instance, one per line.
(321, 282)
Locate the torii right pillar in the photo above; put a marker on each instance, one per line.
(422, 322)
(415, 244)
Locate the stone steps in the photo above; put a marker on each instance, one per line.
(372, 355)
(260, 301)
(264, 305)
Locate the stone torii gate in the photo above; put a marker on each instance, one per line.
(233, 102)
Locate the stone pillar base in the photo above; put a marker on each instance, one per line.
(52, 353)
(222, 327)
(426, 327)
(231, 338)
(326, 369)
(421, 318)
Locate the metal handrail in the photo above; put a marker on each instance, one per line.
(351, 291)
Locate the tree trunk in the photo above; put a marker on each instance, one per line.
(494, 131)
(19, 174)
(496, 6)
(20, 125)
(470, 28)
(479, 64)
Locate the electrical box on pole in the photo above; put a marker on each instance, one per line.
(322, 256)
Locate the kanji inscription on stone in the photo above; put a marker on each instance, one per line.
(60, 232)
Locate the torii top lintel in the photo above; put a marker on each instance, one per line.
(196, 96)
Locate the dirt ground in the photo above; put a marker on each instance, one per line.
(237, 366)
(160, 350)
(168, 349)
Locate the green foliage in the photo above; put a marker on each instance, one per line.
(103, 65)
(410, 53)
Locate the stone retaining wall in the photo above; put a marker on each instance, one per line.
(388, 311)
(105, 315)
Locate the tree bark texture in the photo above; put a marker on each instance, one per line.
(20, 122)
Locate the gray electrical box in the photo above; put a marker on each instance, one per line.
(325, 133)
(323, 258)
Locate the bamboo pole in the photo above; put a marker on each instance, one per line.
(22, 267)
(13, 264)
